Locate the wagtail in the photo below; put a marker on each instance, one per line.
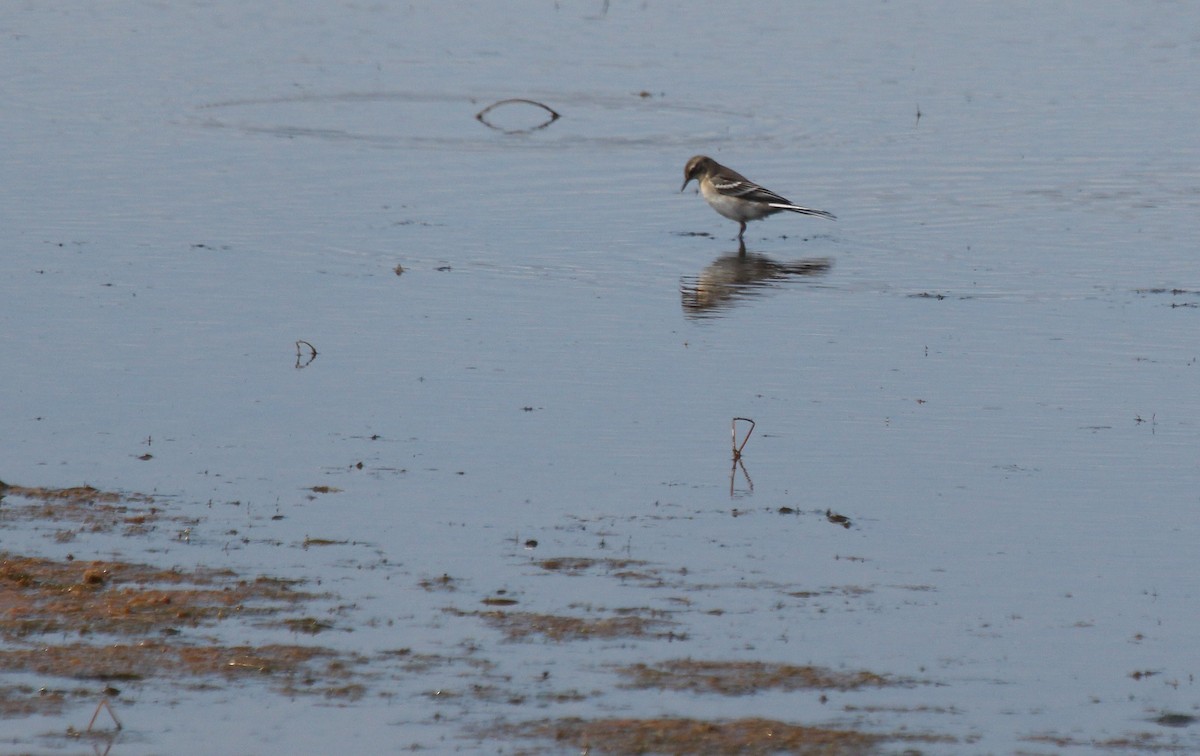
(736, 197)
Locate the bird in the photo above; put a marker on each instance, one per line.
(736, 197)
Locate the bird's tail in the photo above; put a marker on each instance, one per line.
(806, 211)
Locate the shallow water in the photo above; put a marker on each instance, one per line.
(987, 363)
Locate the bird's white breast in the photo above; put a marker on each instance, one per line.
(734, 208)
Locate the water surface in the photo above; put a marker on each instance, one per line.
(988, 363)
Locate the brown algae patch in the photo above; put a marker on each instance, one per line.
(39, 596)
(73, 495)
(555, 627)
(24, 700)
(89, 508)
(138, 661)
(152, 607)
(1143, 742)
(307, 625)
(113, 621)
(681, 735)
(742, 678)
(624, 569)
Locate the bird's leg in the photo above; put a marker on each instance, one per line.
(741, 240)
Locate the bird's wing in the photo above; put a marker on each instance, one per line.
(732, 184)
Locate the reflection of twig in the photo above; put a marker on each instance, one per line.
(300, 353)
(737, 462)
(104, 704)
(737, 448)
(480, 116)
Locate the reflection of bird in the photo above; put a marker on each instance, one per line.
(736, 197)
(737, 276)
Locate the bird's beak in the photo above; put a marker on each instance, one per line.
(686, 181)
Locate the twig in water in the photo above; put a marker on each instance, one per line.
(300, 362)
(737, 448)
(481, 115)
(104, 704)
(737, 462)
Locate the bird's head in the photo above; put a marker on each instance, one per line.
(695, 169)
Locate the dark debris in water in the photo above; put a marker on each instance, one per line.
(1175, 720)
(1173, 293)
(442, 583)
(837, 519)
(499, 601)
(576, 565)
(309, 541)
